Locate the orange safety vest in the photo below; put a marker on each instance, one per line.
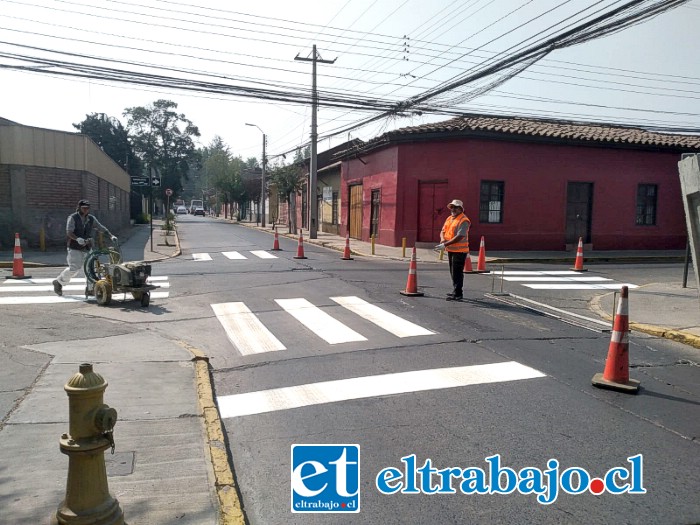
(449, 230)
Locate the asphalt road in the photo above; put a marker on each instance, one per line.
(516, 382)
(527, 421)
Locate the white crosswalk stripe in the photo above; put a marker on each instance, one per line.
(319, 322)
(286, 398)
(386, 320)
(249, 335)
(559, 280)
(234, 255)
(244, 329)
(28, 291)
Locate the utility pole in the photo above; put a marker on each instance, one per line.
(313, 204)
(262, 185)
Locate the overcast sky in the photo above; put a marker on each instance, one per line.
(385, 52)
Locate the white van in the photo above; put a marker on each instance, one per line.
(196, 203)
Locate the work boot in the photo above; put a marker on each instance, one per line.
(57, 287)
(453, 297)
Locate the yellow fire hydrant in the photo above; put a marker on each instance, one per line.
(90, 424)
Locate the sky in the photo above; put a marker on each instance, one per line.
(376, 54)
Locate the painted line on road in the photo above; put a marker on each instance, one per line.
(581, 286)
(201, 257)
(264, 255)
(371, 386)
(234, 255)
(245, 331)
(47, 280)
(28, 288)
(319, 322)
(55, 299)
(533, 272)
(564, 312)
(556, 279)
(386, 320)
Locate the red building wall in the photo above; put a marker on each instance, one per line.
(535, 177)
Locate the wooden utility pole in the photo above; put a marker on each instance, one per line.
(313, 198)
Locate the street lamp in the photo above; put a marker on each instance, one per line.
(262, 189)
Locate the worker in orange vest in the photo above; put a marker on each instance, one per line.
(454, 239)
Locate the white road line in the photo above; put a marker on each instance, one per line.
(319, 322)
(557, 279)
(386, 320)
(29, 288)
(371, 386)
(533, 272)
(234, 255)
(245, 330)
(582, 286)
(564, 312)
(263, 254)
(75, 280)
(201, 257)
(55, 299)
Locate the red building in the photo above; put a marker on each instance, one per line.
(527, 184)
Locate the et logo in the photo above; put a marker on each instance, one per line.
(325, 478)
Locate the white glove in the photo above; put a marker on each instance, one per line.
(80, 241)
(114, 238)
(440, 246)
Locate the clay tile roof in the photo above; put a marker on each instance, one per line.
(562, 130)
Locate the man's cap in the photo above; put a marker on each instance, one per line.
(83, 202)
(456, 204)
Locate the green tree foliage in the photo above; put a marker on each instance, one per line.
(222, 171)
(164, 140)
(110, 135)
(289, 180)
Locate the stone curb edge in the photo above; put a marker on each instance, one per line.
(230, 508)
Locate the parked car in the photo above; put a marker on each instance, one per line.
(181, 210)
(199, 211)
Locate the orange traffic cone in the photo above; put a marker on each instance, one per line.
(300, 247)
(18, 262)
(276, 244)
(412, 282)
(578, 264)
(468, 268)
(481, 263)
(346, 253)
(616, 375)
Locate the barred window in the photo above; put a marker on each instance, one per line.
(491, 202)
(334, 209)
(646, 204)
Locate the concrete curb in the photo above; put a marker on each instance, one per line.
(230, 508)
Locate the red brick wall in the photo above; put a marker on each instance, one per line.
(51, 188)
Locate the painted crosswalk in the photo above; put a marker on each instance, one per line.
(559, 280)
(249, 335)
(285, 398)
(236, 256)
(40, 291)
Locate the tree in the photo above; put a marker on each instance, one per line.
(164, 141)
(111, 136)
(289, 180)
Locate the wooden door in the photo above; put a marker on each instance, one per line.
(432, 210)
(355, 211)
(579, 203)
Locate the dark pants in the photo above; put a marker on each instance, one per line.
(457, 271)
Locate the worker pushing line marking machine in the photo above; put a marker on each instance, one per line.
(106, 275)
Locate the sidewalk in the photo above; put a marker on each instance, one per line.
(169, 440)
(163, 451)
